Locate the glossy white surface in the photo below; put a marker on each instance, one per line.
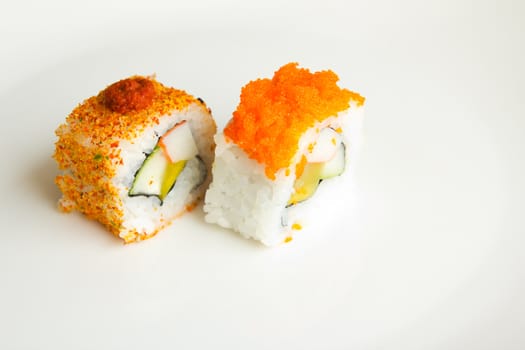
(426, 254)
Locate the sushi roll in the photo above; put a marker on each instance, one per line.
(135, 156)
(289, 136)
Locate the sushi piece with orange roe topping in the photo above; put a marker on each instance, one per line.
(287, 135)
(135, 156)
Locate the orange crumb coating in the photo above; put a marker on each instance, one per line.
(274, 113)
(88, 151)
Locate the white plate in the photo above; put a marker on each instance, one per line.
(426, 254)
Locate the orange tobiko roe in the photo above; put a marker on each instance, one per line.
(274, 113)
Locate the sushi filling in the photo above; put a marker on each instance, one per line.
(175, 151)
(325, 160)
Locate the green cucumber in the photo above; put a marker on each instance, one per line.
(306, 185)
(313, 173)
(335, 166)
(156, 176)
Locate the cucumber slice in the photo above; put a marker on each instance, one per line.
(313, 173)
(306, 185)
(335, 166)
(157, 176)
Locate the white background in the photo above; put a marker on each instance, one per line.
(425, 251)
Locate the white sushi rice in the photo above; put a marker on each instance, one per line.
(146, 214)
(241, 197)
